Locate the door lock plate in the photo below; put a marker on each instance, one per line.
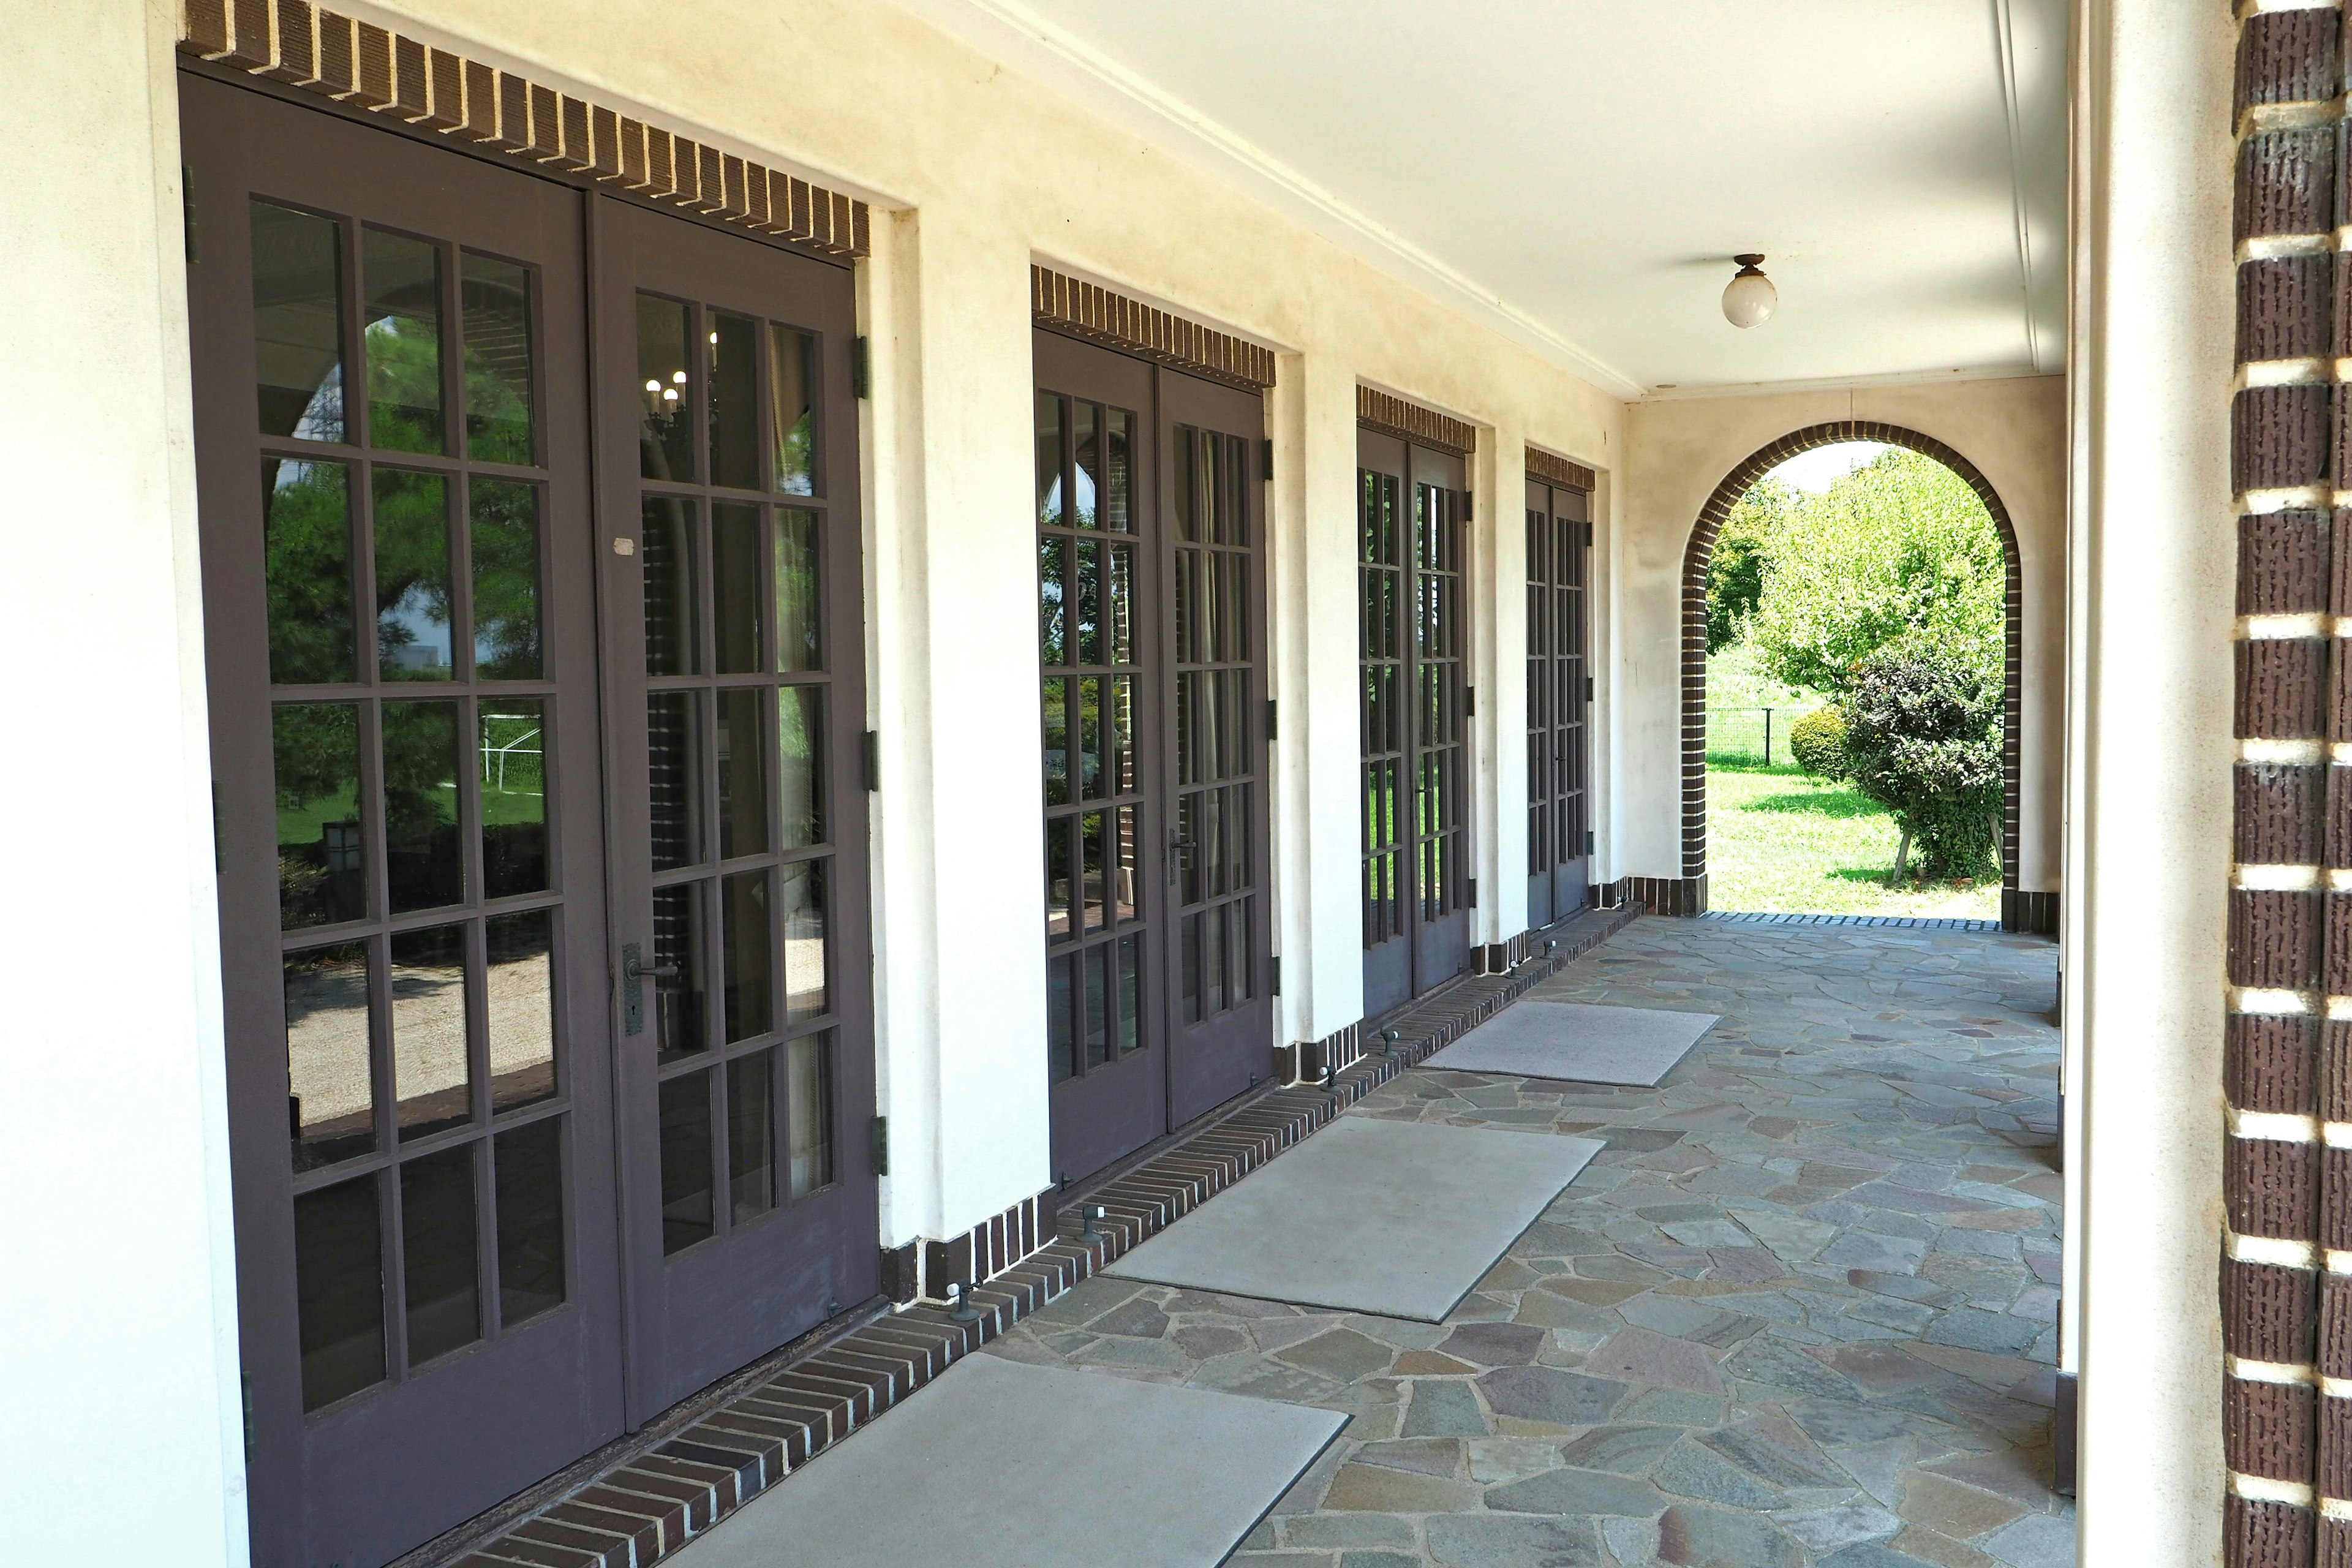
(633, 989)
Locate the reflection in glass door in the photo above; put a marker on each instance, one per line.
(392, 471)
(740, 860)
(1558, 831)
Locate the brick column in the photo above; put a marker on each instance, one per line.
(2286, 1279)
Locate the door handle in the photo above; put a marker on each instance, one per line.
(638, 968)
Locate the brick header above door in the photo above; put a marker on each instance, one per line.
(365, 66)
(1552, 470)
(1411, 422)
(1090, 311)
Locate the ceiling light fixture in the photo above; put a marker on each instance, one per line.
(1749, 298)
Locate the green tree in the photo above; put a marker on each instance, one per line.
(1900, 549)
(1923, 739)
(1735, 571)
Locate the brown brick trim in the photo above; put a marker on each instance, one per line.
(365, 66)
(1090, 311)
(1389, 415)
(2286, 1287)
(1701, 549)
(1552, 470)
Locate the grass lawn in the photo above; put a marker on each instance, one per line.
(1780, 843)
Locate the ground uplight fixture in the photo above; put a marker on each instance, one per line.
(1749, 298)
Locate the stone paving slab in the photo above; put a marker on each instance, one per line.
(1799, 1313)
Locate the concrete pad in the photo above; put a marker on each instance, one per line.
(1576, 1042)
(1395, 1218)
(999, 1464)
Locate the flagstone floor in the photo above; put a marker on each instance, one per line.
(1799, 1315)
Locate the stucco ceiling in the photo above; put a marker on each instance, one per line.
(1578, 173)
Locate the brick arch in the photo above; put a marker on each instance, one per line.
(1702, 549)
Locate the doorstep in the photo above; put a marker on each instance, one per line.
(648, 1504)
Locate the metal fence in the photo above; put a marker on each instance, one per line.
(1751, 734)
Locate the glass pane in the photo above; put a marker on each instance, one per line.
(673, 633)
(799, 606)
(752, 1135)
(1049, 460)
(404, 341)
(505, 517)
(743, 773)
(1237, 479)
(1118, 604)
(437, 1252)
(1059, 1064)
(1123, 872)
(1188, 481)
(1187, 584)
(791, 400)
(686, 1155)
(1053, 612)
(1238, 966)
(804, 941)
(1089, 466)
(800, 736)
(666, 434)
(1090, 736)
(734, 403)
(1212, 960)
(1058, 876)
(322, 851)
(810, 1066)
(735, 575)
(495, 297)
(330, 1092)
(432, 1077)
(306, 524)
(679, 1029)
(1098, 967)
(514, 796)
(528, 1172)
(674, 777)
(1190, 840)
(1120, 734)
(1089, 597)
(1091, 827)
(750, 983)
(339, 1291)
(298, 323)
(1131, 995)
(522, 1004)
(421, 864)
(1053, 706)
(412, 575)
(1189, 942)
(1119, 475)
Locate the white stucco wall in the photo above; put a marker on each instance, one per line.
(1678, 450)
(117, 1293)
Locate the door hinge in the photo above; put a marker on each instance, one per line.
(188, 214)
(861, 368)
(245, 1397)
(1273, 975)
(1587, 689)
(881, 1136)
(1473, 892)
(1469, 702)
(1268, 474)
(1588, 535)
(1272, 726)
(1588, 841)
(873, 762)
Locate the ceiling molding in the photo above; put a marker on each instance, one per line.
(1846, 382)
(1010, 31)
(2005, 40)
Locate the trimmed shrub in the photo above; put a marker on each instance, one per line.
(1923, 739)
(1818, 742)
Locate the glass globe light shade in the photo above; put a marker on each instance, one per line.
(1749, 298)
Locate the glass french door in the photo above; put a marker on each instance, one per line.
(1559, 767)
(1149, 621)
(734, 639)
(390, 363)
(1412, 516)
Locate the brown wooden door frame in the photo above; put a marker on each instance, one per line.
(755, 1282)
(1559, 609)
(372, 1473)
(1414, 665)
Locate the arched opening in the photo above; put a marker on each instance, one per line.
(1695, 894)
